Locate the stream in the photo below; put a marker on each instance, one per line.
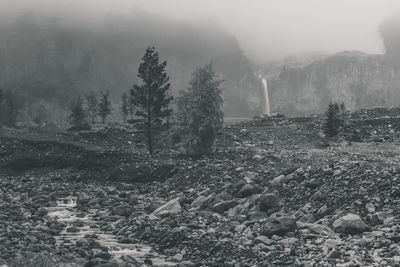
(66, 212)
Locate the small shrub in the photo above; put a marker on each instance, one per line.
(335, 119)
(105, 108)
(91, 105)
(77, 115)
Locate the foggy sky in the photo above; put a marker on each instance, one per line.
(266, 29)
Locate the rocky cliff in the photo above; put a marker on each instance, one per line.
(357, 79)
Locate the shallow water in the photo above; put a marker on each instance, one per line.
(66, 212)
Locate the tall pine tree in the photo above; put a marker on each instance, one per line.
(151, 97)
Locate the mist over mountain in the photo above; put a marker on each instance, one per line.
(53, 56)
(303, 85)
(56, 58)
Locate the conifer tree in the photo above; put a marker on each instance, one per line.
(151, 97)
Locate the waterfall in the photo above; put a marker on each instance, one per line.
(267, 110)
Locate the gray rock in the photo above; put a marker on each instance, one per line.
(178, 257)
(322, 211)
(307, 218)
(122, 210)
(258, 157)
(350, 224)
(3, 263)
(223, 206)
(278, 180)
(72, 229)
(250, 177)
(171, 207)
(278, 226)
(186, 264)
(264, 240)
(41, 212)
(268, 202)
(199, 202)
(83, 198)
(247, 190)
(322, 230)
(257, 215)
(221, 197)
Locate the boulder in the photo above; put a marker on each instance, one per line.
(177, 257)
(281, 179)
(171, 207)
(264, 240)
(350, 224)
(122, 210)
(3, 263)
(199, 202)
(72, 229)
(268, 202)
(247, 190)
(322, 230)
(210, 198)
(221, 197)
(258, 157)
(250, 177)
(83, 198)
(257, 215)
(307, 218)
(322, 211)
(278, 226)
(223, 206)
(41, 212)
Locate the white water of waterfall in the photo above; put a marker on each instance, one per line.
(267, 110)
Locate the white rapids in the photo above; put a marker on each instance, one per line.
(66, 212)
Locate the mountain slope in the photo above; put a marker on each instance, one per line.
(55, 59)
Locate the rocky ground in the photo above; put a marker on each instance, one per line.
(276, 193)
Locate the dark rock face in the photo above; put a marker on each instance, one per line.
(357, 79)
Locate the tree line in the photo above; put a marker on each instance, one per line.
(199, 109)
